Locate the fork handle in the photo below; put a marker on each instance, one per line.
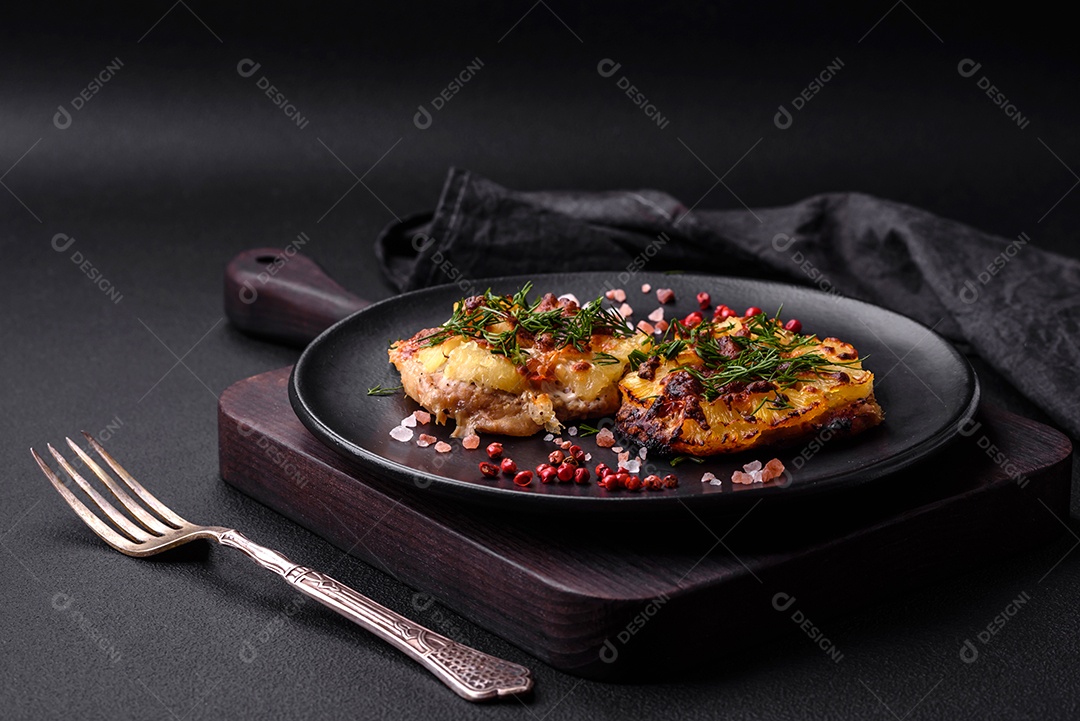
(471, 674)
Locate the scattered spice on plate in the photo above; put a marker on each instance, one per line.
(422, 417)
(401, 433)
(605, 438)
(754, 472)
(425, 440)
(442, 447)
(471, 442)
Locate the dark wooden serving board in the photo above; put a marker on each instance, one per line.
(619, 599)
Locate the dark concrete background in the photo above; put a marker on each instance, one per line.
(179, 162)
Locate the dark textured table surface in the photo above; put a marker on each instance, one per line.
(177, 161)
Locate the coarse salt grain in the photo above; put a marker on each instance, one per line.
(645, 287)
(630, 466)
(425, 440)
(570, 297)
(740, 477)
(588, 457)
(548, 437)
(471, 442)
(571, 431)
(565, 444)
(409, 422)
(442, 447)
(661, 326)
(657, 315)
(624, 457)
(665, 295)
(752, 466)
(616, 449)
(643, 453)
(605, 438)
(401, 433)
(646, 328)
(422, 417)
(610, 295)
(708, 478)
(620, 295)
(625, 310)
(773, 469)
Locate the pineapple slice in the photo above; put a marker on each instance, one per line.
(675, 406)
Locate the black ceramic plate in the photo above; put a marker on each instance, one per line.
(925, 386)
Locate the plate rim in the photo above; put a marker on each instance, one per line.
(401, 473)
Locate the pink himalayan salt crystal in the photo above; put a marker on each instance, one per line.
(605, 438)
(571, 431)
(425, 440)
(645, 287)
(408, 421)
(625, 310)
(661, 326)
(422, 417)
(401, 433)
(773, 469)
(646, 328)
(624, 457)
(740, 477)
(610, 295)
(471, 442)
(442, 447)
(657, 315)
(665, 295)
(752, 466)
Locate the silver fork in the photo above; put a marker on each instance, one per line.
(473, 675)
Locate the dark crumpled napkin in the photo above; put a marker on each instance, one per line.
(1016, 306)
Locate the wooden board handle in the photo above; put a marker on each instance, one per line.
(284, 296)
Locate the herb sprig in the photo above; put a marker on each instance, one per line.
(767, 353)
(379, 390)
(503, 321)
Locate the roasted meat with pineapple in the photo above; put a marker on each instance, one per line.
(738, 384)
(504, 364)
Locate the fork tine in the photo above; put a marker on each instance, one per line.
(148, 498)
(130, 529)
(103, 531)
(148, 521)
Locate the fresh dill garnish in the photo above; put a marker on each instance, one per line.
(502, 322)
(680, 459)
(637, 357)
(765, 353)
(379, 390)
(605, 359)
(585, 430)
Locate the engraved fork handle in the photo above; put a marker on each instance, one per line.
(471, 674)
